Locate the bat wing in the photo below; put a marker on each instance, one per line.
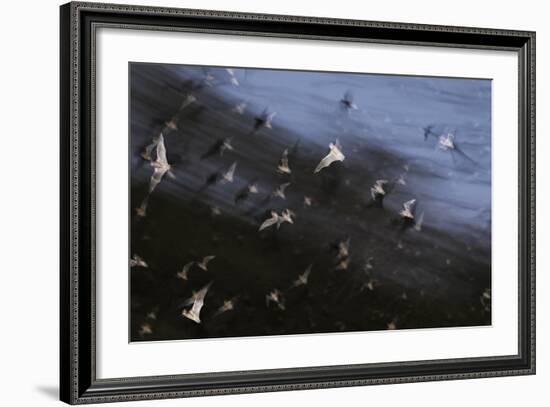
(148, 151)
(269, 222)
(161, 150)
(215, 148)
(464, 155)
(156, 178)
(325, 162)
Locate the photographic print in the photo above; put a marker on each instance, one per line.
(275, 202)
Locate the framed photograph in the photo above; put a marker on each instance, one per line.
(256, 203)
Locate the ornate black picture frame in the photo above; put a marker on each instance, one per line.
(78, 380)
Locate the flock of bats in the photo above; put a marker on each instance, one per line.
(155, 154)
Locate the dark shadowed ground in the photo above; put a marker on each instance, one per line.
(434, 277)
